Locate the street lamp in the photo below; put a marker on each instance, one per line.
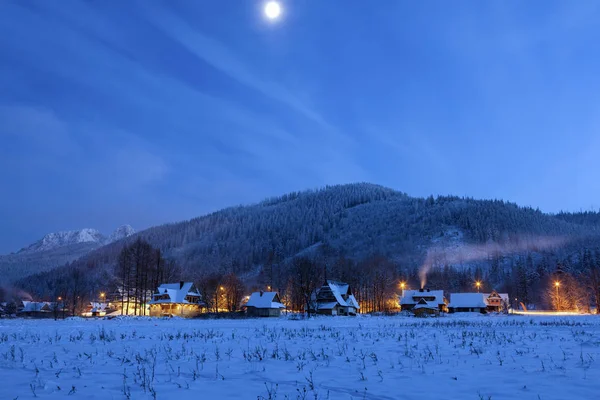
(478, 284)
(557, 285)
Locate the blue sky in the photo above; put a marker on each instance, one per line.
(146, 112)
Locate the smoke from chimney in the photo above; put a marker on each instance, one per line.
(443, 255)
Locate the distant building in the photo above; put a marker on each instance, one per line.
(497, 302)
(426, 299)
(176, 299)
(36, 309)
(95, 309)
(334, 298)
(264, 304)
(467, 302)
(478, 302)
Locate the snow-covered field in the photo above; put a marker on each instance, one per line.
(452, 357)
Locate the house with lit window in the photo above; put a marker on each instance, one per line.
(264, 304)
(496, 302)
(176, 299)
(426, 300)
(478, 302)
(334, 298)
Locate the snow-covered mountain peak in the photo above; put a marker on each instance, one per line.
(121, 233)
(65, 238)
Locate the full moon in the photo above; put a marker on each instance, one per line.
(272, 10)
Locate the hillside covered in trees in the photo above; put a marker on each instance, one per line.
(358, 225)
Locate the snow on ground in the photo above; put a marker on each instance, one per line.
(452, 357)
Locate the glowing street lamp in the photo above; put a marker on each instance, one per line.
(222, 288)
(268, 287)
(478, 284)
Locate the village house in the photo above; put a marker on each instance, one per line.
(36, 309)
(467, 302)
(478, 302)
(264, 304)
(334, 298)
(176, 299)
(95, 309)
(496, 302)
(423, 301)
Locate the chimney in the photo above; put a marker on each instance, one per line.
(261, 293)
(429, 290)
(421, 290)
(181, 284)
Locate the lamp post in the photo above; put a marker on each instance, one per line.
(557, 285)
(478, 284)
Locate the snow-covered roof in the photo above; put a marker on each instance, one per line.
(503, 296)
(34, 306)
(413, 296)
(327, 306)
(341, 290)
(432, 305)
(177, 293)
(98, 306)
(264, 300)
(467, 300)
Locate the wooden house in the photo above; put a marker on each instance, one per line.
(176, 299)
(36, 309)
(334, 298)
(264, 304)
(96, 309)
(424, 308)
(426, 298)
(467, 302)
(496, 302)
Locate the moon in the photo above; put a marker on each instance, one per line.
(272, 10)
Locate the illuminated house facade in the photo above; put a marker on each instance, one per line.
(264, 304)
(478, 302)
(176, 299)
(334, 298)
(426, 300)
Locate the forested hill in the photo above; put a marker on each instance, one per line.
(355, 220)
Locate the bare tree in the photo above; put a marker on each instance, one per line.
(306, 279)
(233, 291)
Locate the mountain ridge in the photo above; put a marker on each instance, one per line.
(356, 221)
(56, 249)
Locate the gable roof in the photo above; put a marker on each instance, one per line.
(177, 293)
(34, 306)
(264, 300)
(339, 290)
(413, 296)
(503, 296)
(467, 300)
(422, 303)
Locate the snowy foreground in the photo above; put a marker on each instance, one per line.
(452, 357)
